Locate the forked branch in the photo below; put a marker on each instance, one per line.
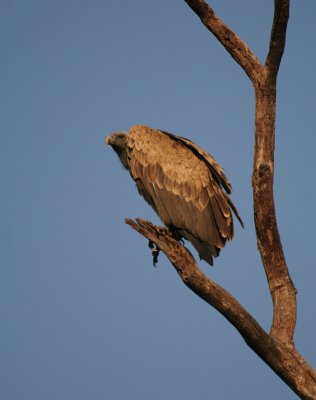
(284, 360)
(263, 78)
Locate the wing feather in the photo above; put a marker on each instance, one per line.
(221, 220)
(203, 199)
(216, 169)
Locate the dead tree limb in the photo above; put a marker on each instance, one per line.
(277, 348)
(235, 46)
(287, 363)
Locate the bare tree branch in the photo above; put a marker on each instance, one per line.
(281, 286)
(193, 277)
(235, 46)
(284, 360)
(278, 35)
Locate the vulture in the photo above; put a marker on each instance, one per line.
(182, 183)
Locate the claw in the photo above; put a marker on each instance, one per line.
(155, 250)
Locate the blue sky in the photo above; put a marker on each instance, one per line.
(83, 312)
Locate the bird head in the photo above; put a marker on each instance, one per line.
(116, 140)
(118, 143)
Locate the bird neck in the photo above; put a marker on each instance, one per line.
(121, 152)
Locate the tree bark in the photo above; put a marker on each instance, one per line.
(276, 349)
(268, 239)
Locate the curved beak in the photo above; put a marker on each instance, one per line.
(108, 139)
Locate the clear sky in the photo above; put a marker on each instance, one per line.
(84, 315)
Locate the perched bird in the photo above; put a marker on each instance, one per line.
(182, 183)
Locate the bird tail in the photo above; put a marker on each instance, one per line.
(206, 251)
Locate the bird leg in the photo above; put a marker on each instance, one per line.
(155, 250)
(172, 232)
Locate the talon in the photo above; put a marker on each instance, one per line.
(155, 253)
(155, 250)
(176, 235)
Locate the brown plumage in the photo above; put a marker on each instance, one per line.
(183, 184)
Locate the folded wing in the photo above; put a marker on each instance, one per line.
(184, 185)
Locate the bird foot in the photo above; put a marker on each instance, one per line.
(155, 250)
(176, 235)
